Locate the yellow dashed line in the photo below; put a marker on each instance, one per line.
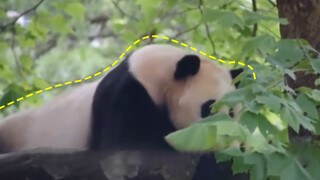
(222, 61)
(128, 48)
(10, 103)
(202, 53)
(212, 57)
(183, 44)
(175, 41)
(164, 37)
(89, 77)
(115, 63)
(96, 74)
(193, 48)
(121, 56)
(136, 42)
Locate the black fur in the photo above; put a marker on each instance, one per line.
(235, 72)
(124, 115)
(188, 66)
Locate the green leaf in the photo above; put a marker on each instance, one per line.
(198, 137)
(6, 74)
(238, 165)
(60, 24)
(253, 121)
(317, 82)
(255, 17)
(315, 63)
(295, 119)
(26, 61)
(40, 83)
(264, 43)
(237, 96)
(11, 93)
(315, 95)
(148, 7)
(37, 30)
(2, 14)
(257, 163)
(3, 46)
(253, 106)
(288, 53)
(171, 3)
(286, 167)
(273, 102)
(225, 18)
(307, 106)
(75, 9)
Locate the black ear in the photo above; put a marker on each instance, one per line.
(188, 66)
(235, 72)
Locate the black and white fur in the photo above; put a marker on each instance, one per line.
(153, 92)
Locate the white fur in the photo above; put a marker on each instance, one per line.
(154, 66)
(62, 123)
(65, 121)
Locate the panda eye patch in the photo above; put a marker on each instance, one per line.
(205, 108)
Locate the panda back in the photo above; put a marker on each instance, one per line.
(61, 123)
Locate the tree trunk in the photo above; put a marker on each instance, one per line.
(304, 23)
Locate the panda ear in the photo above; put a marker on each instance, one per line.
(235, 72)
(188, 66)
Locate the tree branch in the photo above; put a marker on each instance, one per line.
(12, 23)
(207, 29)
(122, 12)
(255, 26)
(186, 31)
(272, 3)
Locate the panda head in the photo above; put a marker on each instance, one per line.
(185, 83)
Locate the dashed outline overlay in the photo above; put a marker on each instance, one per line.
(116, 61)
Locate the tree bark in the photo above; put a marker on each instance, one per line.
(304, 20)
(52, 164)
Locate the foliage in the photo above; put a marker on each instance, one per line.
(67, 40)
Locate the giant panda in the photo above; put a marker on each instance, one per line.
(156, 90)
(153, 92)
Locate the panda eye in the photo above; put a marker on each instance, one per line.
(205, 108)
(231, 113)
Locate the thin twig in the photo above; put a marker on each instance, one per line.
(255, 26)
(12, 23)
(177, 13)
(207, 30)
(272, 3)
(14, 53)
(186, 31)
(122, 12)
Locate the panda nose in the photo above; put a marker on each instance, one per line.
(205, 108)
